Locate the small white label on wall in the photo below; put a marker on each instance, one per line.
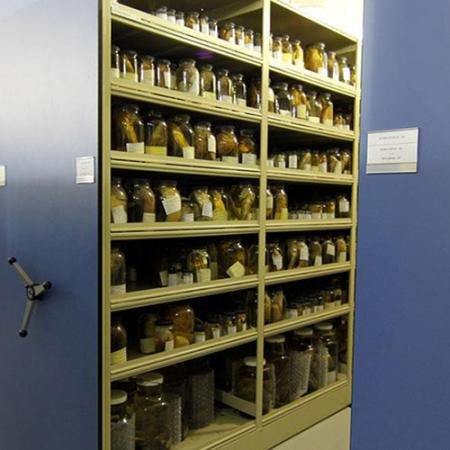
(2, 176)
(85, 172)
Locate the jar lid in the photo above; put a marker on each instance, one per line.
(304, 332)
(164, 322)
(251, 361)
(237, 76)
(187, 61)
(115, 49)
(194, 13)
(223, 71)
(165, 62)
(207, 67)
(150, 379)
(203, 124)
(131, 53)
(278, 339)
(171, 12)
(285, 36)
(163, 8)
(249, 31)
(118, 397)
(149, 57)
(183, 117)
(324, 326)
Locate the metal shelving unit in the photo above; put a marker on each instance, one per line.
(230, 431)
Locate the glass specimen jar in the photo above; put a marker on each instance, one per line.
(334, 161)
(118, 272)
(348, 121)
(324, 361)
(199, 263)
(203, 208)
(228, 323)
(233, 259)
(280, 161)
(314, 107)
(292, 253)
(187, 210)
(257, 47)
(193, 21)
(169, 200)
(341, 250)
(269, 204)
(316, 210)
(330, 208)
(181, 137)
(118, 342)
(147, 70)
(299, 101)
(328, 251)
(293, 160)
(227, 145)
(339, 120)
(115, 62)
(163, 75)
(281, 203)
(277, 306)
(326, 115)
(287, 50)
(242, 202)
(149, 200)
(171, 16)
(207, 82)
(353, 75)
(315, 252)
(333, 66)
(156, 134)
(122, 422)
(249, 39)
(283, 100)
(204, 141)
(343, 207)
(173, 76)
(220, 206)
(316, 58)
(247, 147)
(272, 107)
(275, 257)
(118, 202)
(346, 157)
(241, 320)
(305, 160)
(188, 77)
(239, 89)
(227, 32)
(277, 52)
(240, 35)
(204, 22)
(147, 333)
(129, 65)
(129, 129)
(246, 383)
(162, 12)
(213, 330)
(182, 317)
(254, 94)
(303, 253)
(164, 339)
(136, 203)
(298, 54)
(275, 352)
(152, 413)
(213, 29)
(224, 86)
(179, 18)
(344, 70)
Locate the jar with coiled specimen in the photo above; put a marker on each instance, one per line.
(326, 115)
(247, 147)
(156, 134)
(242, 202)
(169, 202)
(129, 65)
(314, 107)
(220, 204)
(207, 82)
(203, 208)
(283, 99)
(227, 32)
(181, 137)
(227, 145)
(316, 58)
(129, 129)
(299, 101)
(204, 141)
(188, 77)
(239, 89)
(199, 263)
(224, 86)
(232, 259)
(193, 21)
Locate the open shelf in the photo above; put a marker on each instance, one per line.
(302, 176)
(277, 226)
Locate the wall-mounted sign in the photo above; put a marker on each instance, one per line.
(393, 151)
(2, 176)
(85, 170)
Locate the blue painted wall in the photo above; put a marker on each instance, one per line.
(402, 359)
(49, 98)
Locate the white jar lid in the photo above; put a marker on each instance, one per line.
(278, 339)
(250, 361)
(150, 379)
(324, 326)
(304, 332)
(118, 397)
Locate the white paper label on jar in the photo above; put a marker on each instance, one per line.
(277, 55)
(188, 278)
(244, 327)
(249, 46)
(204, 275)
(179, 22)
(162, 15)
(227, 98)
(119, 214)
(324, 216)
(323, 167)
(304, 254)
(131, 76)
(231, 329)
(156, 150)
(307, 311)
(173, 279)
(241, 101)
(346, 74)
(285, 112)
(342, 257)
(147, 345)
(188, 217)
(270, 162)
(331, 376)
(115, 73)
(118, 289)
(149, 218)
(207, 209)
(331, 250)
(237, 270)
(277, 262)
(199, 337)
(171, 204)
(314, 119)
(281, 164)
(328, 122)
(293, 161)
(164, 277)
(338, 168)
(331, 216)
(189, 152)
(292, 313)
(344, 205)
(119, 357)
(323, 71)
(138, 147)
(301, 111)
(230, 159)
(307, 167)
(212, 32)
(148, 77)
(204, 27)
(249, 158)
(216, 333)
(168, 345)
(269, 202)
(316, 216)
(299, 63)
(211, 144)
(318, 260)
(209, 95)
(167, 79)
(257, 48)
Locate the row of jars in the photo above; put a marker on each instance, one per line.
(152, 134)
(335, 161)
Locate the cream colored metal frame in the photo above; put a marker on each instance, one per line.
(265, 431)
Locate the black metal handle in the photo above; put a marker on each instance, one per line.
(34, 292)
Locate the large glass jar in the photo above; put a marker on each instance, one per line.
(136, 203)
(292, 254)
(220, 204)
(239, 89)
(333, 66)
(152, 414)
(227, 145)
(344, 70)
(287, 50)
(246, 383)
(316, 58)
(182, 317)
(129, 129)
(181, 137)
(129, 65)
(277, 52)
(122, 422)
(115, 62)
(314, 107)
(271, 102)
(203, 208)
(258, 43)
(305, 160)
(299, 101)
(274, 351)
(297, 54)
(118, 202)
(169, 202)
(303, 253)
(276, 262)
(281, 203)
(283, 100)
(199, 264)
(156, 135)
(188, 77)
(224, 86)
(315, 253)
(193, 21)
(343, 207)
(277, 306)
(341, 250)
(328, 251)
(324, 361)
(249, 39)
(207, 82)
(147, 70)
(204, 141)
(118, 272)
(334, 161)
(240, 35)
(163, 75)
(232, 259)
(326, 116)
(118, 342)
(242, 202)
(346, 158)
(247, 147)
(149, 201)
(269, 204)
(254, 94)
(300, 352)
(227, 32)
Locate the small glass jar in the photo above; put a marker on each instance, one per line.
(156, 134)
(204, 23)
(179, 18)
(187, 210)
(298, 54)
(118, 272)
(348, 121)
(334, 161)
(181, 137)
(330, 208)
(204, 141)
(169, 202)
(171, 16)
(326, 116)
(129, 65)
(241, 320)
(199, 263)
(299, 101)
(118, 342)
(283, 100)
(188, 77)
(123, 422)
(213, 330)
(228, 323)
(115, 62)
(227, 145)
(346, 157)
(118, 202)
(224, 86)
(305, 160)
(303, 253)
(199, 334)
(220, 205)
(193, 21)
(344, 70)
(314, 107)
(315, 253)
(324, 360)
(280, 161)
(249, 40)
(203, 208)
(129, 129)
(339, 120)
(247, 147)
(162, 12)
(182, 317)
(257, 42)
(333, 66)
(227, 32)
(316, 210)
(276, 262)
(275, 352)
(343, 207)
(147, 70)
(254, 94)
(240, 36)
(207, 82)
(328, 251)
(341, 251)
(281, 203)
(164, 339)
(163, 74)
(277, 52)
(213, 29)
(287, 50)
(293, 160)
(146, 326)
(239, 89)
